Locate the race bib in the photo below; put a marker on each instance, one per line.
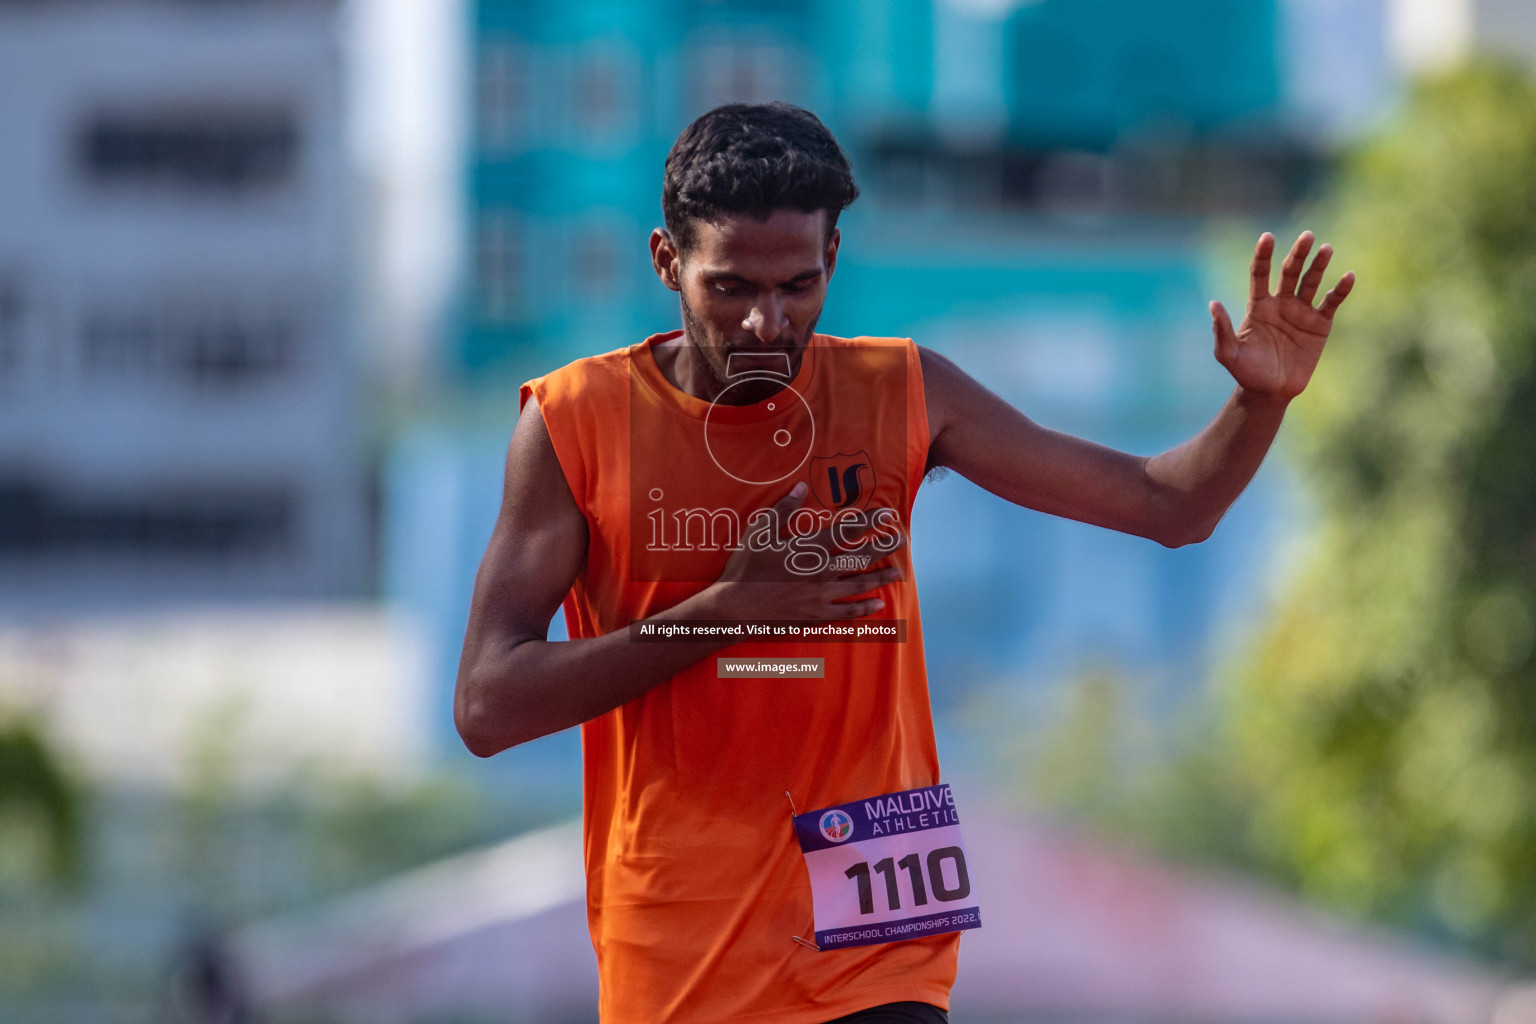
(887, 868)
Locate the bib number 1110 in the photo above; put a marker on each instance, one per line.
(913, 866)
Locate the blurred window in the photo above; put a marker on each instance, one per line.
(203, 343)
(731, 71)
(595, 260)
(499, 265)
(502, 95)
(12, 328)
(230, 150)
(605, 92)
(206, 521)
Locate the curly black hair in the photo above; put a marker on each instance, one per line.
(753, 158)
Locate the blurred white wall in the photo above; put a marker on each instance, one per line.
(244, 700)
(1336, 66)
(408, 83)
(1429, 35)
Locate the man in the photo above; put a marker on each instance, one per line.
(748, 470)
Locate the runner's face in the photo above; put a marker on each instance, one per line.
(754, 286)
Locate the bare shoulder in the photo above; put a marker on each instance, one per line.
(530, 436)
(939, 385)
(535, 491)
(941, 377)
(947, 392)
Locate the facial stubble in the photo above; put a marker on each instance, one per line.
(713, 357)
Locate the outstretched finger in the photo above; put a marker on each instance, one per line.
(873, 562)
(785, 508)
(1258, 270)
(848, 536)
(855, 609)
(793, 500)
(1226, 337)
(864, 582)
(1290, 270)
(1337, 294)
(1314, 275)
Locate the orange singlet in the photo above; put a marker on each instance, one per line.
(695, 882)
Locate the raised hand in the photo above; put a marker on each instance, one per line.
(1276, 348)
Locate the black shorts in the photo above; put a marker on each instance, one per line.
(896, 1013)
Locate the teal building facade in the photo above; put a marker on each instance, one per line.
(1038, 182)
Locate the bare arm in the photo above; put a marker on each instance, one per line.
(514, 685)
(1176, 497)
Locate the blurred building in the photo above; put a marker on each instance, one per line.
(1427, 35)
(179, 381)
(213, 224)
(1039, 185)
(944, 104)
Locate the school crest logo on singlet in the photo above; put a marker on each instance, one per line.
(843, 480)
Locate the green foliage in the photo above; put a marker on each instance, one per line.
(244, 857)
(1095, 753)
(1382, 730)
(219, 857)
(38, 802)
